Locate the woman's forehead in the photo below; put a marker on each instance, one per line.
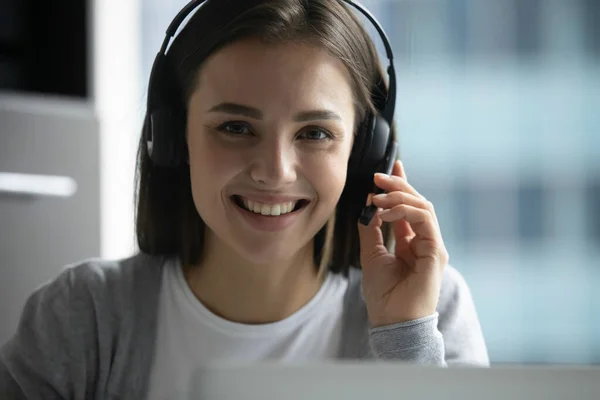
(289, 74)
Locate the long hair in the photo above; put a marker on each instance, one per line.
(167, 222)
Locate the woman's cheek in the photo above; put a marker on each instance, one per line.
(327, 174)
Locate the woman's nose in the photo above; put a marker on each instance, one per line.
(274, 164)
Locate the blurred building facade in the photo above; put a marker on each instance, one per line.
(499, 123)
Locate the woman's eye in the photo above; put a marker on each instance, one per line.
(316, 134)
(235, 128)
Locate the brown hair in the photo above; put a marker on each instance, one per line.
(167, 221)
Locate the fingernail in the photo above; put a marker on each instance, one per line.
(382, 176)
(384, 211)
(369, 199)
(380, 196)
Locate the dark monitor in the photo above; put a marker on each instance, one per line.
(44, 47)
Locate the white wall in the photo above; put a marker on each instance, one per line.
(120, 108)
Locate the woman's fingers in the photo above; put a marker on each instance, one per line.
(393, 183)
(421, 220)
(398, 183)
(389, 200)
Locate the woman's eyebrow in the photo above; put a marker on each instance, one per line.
(255, 113)
(237, 109)
(313, 115)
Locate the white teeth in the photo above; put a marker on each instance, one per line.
(265, 209)
(269, 209)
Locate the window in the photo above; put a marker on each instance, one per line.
(531, 212)
(592, 200)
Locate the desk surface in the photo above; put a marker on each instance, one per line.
(350, 381)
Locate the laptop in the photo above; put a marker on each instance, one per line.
(385, 380)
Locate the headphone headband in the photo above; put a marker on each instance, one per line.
(387, 113)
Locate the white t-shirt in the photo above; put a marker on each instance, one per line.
(189, 335)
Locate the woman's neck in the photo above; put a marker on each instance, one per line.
(253, 294)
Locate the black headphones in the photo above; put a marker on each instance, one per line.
(164, 124)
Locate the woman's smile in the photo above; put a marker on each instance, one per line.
(271, 217)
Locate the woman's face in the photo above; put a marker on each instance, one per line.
(270, 129)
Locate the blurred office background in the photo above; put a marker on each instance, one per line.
(498, 112)
(499, 122)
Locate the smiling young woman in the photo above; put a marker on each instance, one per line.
(250, 246)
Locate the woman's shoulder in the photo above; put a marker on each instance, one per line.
(93, 292)
(98, 275)
(453, 286)
(97, 287)
(72, 324)
(99, 282)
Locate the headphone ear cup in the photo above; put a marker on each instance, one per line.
(165, 137)
(379, 141)
(164, 125)
(373, 151)
(362, 143)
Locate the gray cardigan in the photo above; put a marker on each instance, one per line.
(89, 333)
